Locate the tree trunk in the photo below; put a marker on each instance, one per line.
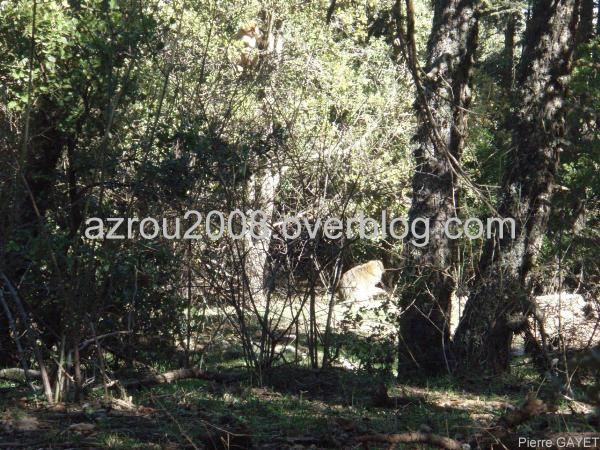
(257, 271)
(441, 104)
(598, 19)
(257, 248)
(499, 299)
(585, 30)
(8, 350)
(509, 52)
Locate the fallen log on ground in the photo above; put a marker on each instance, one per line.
(171, 376)
(17, 374)
(411, 438)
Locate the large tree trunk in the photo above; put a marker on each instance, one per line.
(441, 104)
(499, 300)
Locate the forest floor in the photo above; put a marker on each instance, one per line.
(296, 408)
(293, 408)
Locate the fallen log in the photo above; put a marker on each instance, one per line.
(18, 375)
(169, 377)
(413, 437)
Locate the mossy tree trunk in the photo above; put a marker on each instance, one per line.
(442, 101)
(499, 300)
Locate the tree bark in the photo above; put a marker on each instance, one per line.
(330, 11)
(585, 30)
(257, 249)
(598, 19)
(257, 270)
(441, 105)
(509, 52)
(499, 298)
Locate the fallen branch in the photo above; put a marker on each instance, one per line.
(169, 377)
(412, 438)
(20, 375)
(92, 340)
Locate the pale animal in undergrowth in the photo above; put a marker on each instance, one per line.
(365, 306)
(361, 282)
(255, 43)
